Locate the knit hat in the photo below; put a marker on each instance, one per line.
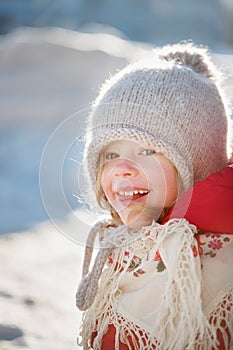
(169, 101)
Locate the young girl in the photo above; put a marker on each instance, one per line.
(156, 159)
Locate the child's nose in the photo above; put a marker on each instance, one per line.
(125, 167)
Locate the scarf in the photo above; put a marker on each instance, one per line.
(151, 289)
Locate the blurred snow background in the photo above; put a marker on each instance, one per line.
(54, 54)
(208, 22)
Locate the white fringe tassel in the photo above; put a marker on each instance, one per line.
(181, 322)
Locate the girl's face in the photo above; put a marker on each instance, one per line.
(138, 182)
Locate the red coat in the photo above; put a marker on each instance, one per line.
(211, 203)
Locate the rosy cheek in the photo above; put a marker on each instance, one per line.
(105, 182)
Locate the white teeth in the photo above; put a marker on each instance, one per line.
(131, 193)
(143, 192)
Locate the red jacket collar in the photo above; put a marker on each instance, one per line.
(209, 203)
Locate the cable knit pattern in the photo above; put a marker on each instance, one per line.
(89, 285)
(171, 101)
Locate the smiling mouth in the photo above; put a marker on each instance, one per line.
(131, 194)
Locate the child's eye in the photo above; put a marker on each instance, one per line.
(111, 155)
(147, 152)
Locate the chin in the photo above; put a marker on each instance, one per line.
(136, 220)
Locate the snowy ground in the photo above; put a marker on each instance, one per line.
(39, 273)
(47, 76)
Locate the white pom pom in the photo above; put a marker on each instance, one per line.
(191, 56)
